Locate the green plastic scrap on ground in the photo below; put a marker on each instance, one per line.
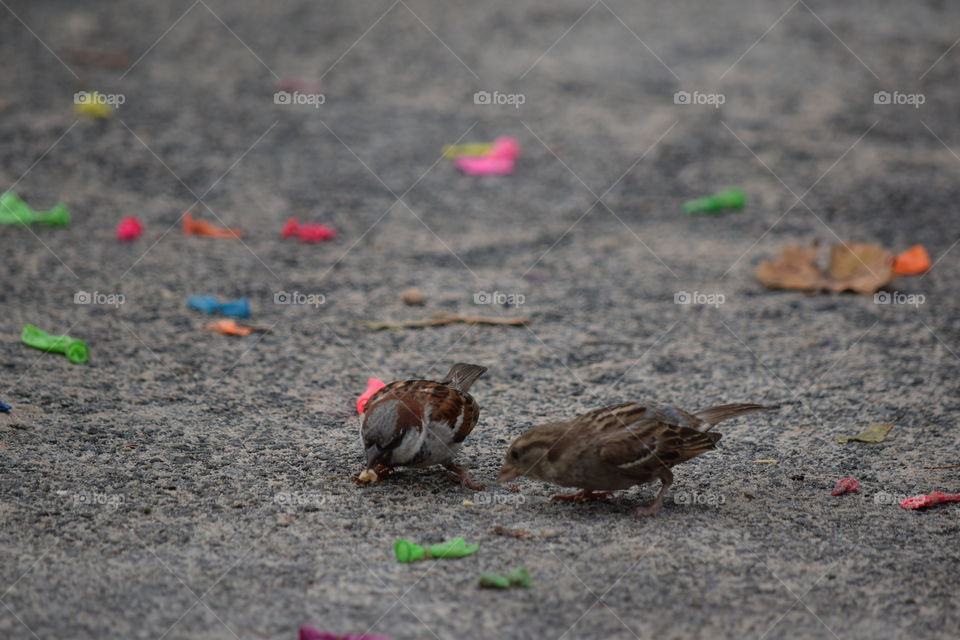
(75, 350)
(516, 578)
(873, 433)
(407, 551)
(722, 201)
(13, 210)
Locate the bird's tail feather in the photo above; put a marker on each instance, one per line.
(715, 415)
(462, 375)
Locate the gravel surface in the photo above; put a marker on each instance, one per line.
(184, 484)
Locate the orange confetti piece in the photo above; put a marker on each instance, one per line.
(230, 327)
(207, 229)
(913, 261)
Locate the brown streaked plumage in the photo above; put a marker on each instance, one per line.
(418, 423)
(617, 447)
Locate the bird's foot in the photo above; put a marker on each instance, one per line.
(651, 509)
(461, 477)
(582, 496)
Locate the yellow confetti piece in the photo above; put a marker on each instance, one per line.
(469, 149)
(92, 105)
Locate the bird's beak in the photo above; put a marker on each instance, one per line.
(374, 456)
(507, 473)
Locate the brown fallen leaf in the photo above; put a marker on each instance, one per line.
(794, 268)
(859, 267)
(873, 433)
(440, 319)
(863, 268)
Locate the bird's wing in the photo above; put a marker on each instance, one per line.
(634, 437)
(457, 410)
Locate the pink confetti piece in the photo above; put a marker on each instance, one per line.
(309, 633)
(373, 385)
(486, 165)
(129, 228)
(845, 485)
(505, 147)
(307, 232)
(936, 497)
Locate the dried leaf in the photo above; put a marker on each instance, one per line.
(873, 433)
(863, 268)
(794, 268)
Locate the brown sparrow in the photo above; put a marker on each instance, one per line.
(616, 448)
(418, 423)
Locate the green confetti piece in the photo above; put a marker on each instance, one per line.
(873, 433)
(13, 210)
(721, 201)
(75, 350)
(407, 551)
(494, 581)
(516, 578)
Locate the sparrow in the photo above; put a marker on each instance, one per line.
(418, 423)
(617, 447)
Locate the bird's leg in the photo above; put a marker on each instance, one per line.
(652, 509)
(582, 496)
(461, 477)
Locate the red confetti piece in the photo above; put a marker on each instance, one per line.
(129, 228)
(307, 232)
(373, 385)
(919, 502)
(845, 485)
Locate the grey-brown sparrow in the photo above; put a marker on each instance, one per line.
(617, 447)
(418, 423)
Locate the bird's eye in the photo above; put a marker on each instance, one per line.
(515, 454)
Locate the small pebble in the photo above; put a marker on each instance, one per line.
(413, 297)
